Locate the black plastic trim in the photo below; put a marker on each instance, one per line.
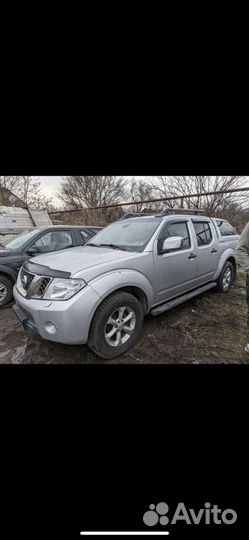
(41, 270)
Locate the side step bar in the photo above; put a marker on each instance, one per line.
(169, 305)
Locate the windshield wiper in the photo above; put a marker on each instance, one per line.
(113, 246)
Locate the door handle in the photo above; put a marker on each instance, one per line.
(192, 256)
(214, 250)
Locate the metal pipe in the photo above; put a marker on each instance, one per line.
(162, 199)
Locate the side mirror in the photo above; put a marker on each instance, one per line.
(172, 243)
(33, 250)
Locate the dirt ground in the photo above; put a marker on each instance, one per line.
(210, 329)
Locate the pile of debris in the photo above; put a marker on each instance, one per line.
(14, 220)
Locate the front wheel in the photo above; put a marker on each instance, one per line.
(6, 290)
(116, 325)
(226, 278)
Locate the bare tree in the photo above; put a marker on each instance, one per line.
(139, 191)
(174, 186)
(30, 192)
(8, 185)
(25, 188)
(91, 191)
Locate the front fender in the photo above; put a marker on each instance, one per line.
(5, 269)
(224, 257)
(112, 281)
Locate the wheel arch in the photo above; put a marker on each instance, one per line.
(227, 256)
(9, 273)
(126, 280)
(131, 289)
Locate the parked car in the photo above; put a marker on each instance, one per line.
(31, 242)
(99, 294)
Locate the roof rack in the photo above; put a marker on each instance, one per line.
(138, 214)
(165, 212)
(183, 211)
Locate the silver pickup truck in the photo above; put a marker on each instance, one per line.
(99, 293)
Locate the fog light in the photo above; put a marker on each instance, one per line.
(50, 327)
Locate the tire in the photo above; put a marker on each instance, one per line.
(226, 278)
(114, 338)
(6, 290)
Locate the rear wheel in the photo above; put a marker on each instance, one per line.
(116, 325)
(226, 278)
(6, 290)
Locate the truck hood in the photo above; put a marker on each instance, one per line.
(79, 259)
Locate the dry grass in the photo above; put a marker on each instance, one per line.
(210, 329)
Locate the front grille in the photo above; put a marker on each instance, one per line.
(32, 285)
(43, 286)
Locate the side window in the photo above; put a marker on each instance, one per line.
(96, 230)
(226, 228)
(54, 241)
(179, 228)
(85, 235)
(203, 233)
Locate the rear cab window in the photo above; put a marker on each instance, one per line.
(225, 228)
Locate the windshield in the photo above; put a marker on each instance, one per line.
(129, 235)
(21, 239)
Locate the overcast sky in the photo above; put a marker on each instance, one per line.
(49, 186)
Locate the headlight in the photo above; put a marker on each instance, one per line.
(63, 289)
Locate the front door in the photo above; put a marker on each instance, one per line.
(54, 240)
(175, 271)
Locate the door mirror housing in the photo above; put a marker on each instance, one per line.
(172, 243)
(33, 250)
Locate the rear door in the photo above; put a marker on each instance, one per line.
(207, 250)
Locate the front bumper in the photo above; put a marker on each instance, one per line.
(71, 318)
(25, 318)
